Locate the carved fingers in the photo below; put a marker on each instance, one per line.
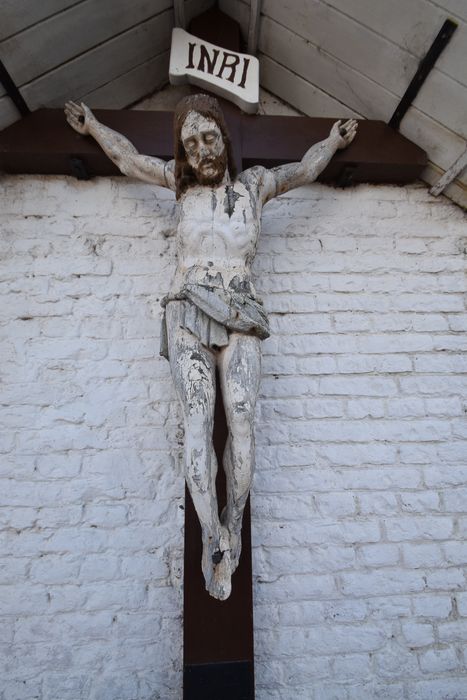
(344, 133)
(78, 116)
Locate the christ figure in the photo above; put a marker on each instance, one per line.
(212, 315)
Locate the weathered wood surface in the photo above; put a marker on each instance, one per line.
(450, 175)
(412, 26)
(358, 48)
(313, 54)
(128, 87)
(43, 143)
(41, 48)
(300, 93)
(17, 15)
(89, 49)
(101, 64)
(458, 8)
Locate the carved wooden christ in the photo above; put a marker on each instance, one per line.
(212, 314)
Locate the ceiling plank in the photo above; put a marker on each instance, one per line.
(342, 37)
(300, 93)
(413, 27)
(17, 15)
(445, 100)
(52, 44)
(100, 65)
(48, 44)
(129, 87)
(365, 52)
(346, 85)
(457, 7)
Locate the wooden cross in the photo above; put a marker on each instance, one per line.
(43, 143)
(218, 636)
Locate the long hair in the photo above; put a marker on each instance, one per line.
(208, 107)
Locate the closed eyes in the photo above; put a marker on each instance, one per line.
(208, 138)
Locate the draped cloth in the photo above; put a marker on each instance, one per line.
(209, 310)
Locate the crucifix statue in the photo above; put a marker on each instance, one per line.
(213, 317)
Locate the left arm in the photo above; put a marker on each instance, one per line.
(286, 177)
(119, 149)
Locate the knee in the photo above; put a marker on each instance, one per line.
(241, 422)
(197, 463)
(198, 416)
(197, 473)
(198, 426)
(198, 430)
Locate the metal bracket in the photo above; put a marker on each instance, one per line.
(346, 175)
(12, 91)
(78, 169)
(424, 68)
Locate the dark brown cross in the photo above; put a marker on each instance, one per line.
(218, 636)
(43, 143)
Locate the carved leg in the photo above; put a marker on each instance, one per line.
(240, 368)
(193, 372)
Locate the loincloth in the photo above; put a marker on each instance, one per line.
(211, 311)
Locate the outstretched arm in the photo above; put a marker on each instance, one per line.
(119, 149)
(285, 177)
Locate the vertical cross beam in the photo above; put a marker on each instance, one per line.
(218, 652)
(218, 657)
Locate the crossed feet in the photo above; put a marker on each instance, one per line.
(221, 554)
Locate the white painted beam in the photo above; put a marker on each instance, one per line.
(253, 29)
(450, 175)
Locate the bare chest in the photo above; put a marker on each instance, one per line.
(218, 223)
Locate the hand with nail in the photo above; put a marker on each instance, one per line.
(79, 117)
(344, 134)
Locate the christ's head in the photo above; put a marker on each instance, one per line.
(202, 146)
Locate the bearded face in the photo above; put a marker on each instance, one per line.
(204, 148)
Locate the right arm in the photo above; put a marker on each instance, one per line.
(119, 149)
(282, 178)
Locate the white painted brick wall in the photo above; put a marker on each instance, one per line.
(360, 495)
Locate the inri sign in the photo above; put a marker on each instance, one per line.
(234, 76)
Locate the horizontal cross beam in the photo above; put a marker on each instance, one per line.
(43, 143)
